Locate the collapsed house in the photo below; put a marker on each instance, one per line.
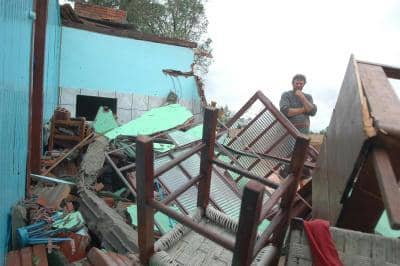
(189, 192)
(75, 60)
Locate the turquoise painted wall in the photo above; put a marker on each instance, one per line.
(15, 67)
(98, 61)
(52, 63)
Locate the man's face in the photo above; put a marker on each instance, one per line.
(298, 84)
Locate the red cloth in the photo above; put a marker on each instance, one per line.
(323, 248)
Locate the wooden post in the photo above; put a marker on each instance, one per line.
(207, 154)
(36, 99)
(388, 185)
(296, 168)
(248, 223)
(144, 185)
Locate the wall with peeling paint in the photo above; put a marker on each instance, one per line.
(15, 55)
(109, 66)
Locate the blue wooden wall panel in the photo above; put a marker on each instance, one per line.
(15, 67)
(52, 63)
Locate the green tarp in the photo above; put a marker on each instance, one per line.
(165, 223)
(153, 121)
(104, 121)
(383, 227)
(196, 132)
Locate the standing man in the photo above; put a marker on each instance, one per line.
(298, 106)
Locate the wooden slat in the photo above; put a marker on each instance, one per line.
(131, 187)
(245, 173)
(201, 229)
(320, 185)
(180, 190)
(382, 99)
(207, 154)
(248, 223)
(145, 194)
(276, 195)
(164, 168)
(36, 100)
(242, 110)
(296, 167)
(388, 185)
(244, 129)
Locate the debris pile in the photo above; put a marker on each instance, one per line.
(83, 206)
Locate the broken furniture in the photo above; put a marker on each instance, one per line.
(269, 131)
(354, 248)
(263, 145)
(40, 233)
(265, 141)
(65, 155)
(65, 131)
(359, 165)
(239, 238)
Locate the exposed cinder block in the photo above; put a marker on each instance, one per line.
(68, 96)
(88, 92)
(124, 100)
(107, 94)
(140, 102)
(70, 108)
(124, 115)
(107, 224)
(156, 101)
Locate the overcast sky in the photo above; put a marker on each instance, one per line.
(260, 45)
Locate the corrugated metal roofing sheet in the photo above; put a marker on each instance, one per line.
(15, 66)
(258, 139)
(221, 193)
(182, 138)
(268, 132)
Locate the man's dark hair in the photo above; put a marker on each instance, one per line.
(299, 77)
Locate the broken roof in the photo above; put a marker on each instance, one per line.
(71, 19)
(153, 121)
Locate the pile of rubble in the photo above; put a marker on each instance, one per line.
(82, 207)
(81, 210)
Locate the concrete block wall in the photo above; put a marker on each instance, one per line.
(129, 105)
